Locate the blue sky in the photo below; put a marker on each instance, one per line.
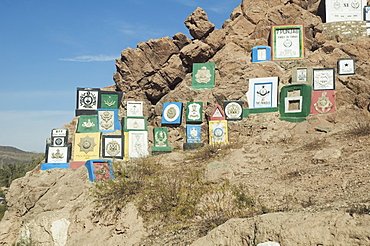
(48, 48)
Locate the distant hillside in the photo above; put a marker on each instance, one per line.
(10, 154)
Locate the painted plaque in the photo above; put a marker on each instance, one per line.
(261, 53)
(263, 93)
(323, 102)
(138, 144)
(193, 134)
(346, 66)
(87, 123)
(295, 102)
(233, 110)
(99, 169)
(108, 120)
(110, 99)
(160, 137)
(217, 113)
(59, 141)
(112, 146)
(203, 75)
(323, 79)
(87, 101)
(344, 10)
(86, 146)
(57, 154)
(302, 75)
(287, 42)
(194, 112)
(172, 113)
(218, 132)
(135, 124)
(134, 108)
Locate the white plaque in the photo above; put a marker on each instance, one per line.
(138, 144)
(134, 108)
(344, 10)
(57, 155)
(263, 92)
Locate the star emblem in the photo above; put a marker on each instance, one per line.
(87, 144)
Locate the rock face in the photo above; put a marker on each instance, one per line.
(325, 228)
(53, 208)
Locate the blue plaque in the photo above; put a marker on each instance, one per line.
(172, 113)
(261, 53)
(193, 134)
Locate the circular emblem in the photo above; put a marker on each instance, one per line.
(355, 4)
(218, 132)
(233, 110)
(171, 113)
(113, 148)
(287, 43)
(58, 141)
(336, 5)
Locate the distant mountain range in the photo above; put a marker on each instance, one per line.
(10, 154)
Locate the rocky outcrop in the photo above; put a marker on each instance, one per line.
(303, 228)
(53, 208)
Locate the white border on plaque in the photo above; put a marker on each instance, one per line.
(88, 99)
(346, 66)
(138, 144)
(287, 42)
(57, 155)
(344, 10)
(135, 123)
(60, 132)
(323, 79)
(173, 115)
(58, 141)
(263, 92)
(113, 147)
(288, 100)
(134, 108)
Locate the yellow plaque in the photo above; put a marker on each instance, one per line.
(86, 146)
(218, 132)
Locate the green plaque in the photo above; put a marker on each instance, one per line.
(161, 141)
(131, 123)
(295, 102)
(88, 123)
(203, 75)
(109, 101)
(194, 112)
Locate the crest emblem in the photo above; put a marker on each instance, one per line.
(194, 111)
(193, 132)
(203, 75)
(87, 144)
(88, 123)
(323, 104)
(113, 148)
(88, 100)
(171, 113)
(161, 137)
(106, 120)
(57, 155)
(109, 101)
(233, 110)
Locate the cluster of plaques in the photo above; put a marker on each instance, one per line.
(58, 150)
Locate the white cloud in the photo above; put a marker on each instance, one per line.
(97, 58)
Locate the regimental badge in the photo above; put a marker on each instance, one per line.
(58, 141)
(171, 113)
(203, 75)
(218, 132)
(113, 148)
(138, 144)
(355, 4)
(160, 138)
(106, 121)
(193, 134)
(57, 154)
(323, 104)
(88, 100)
(323, 79)
(194, 112)
(233, 110)
(134, 108)
(87, 144)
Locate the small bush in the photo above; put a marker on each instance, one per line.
(359, 127)
(359, 209)
(3, 208)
